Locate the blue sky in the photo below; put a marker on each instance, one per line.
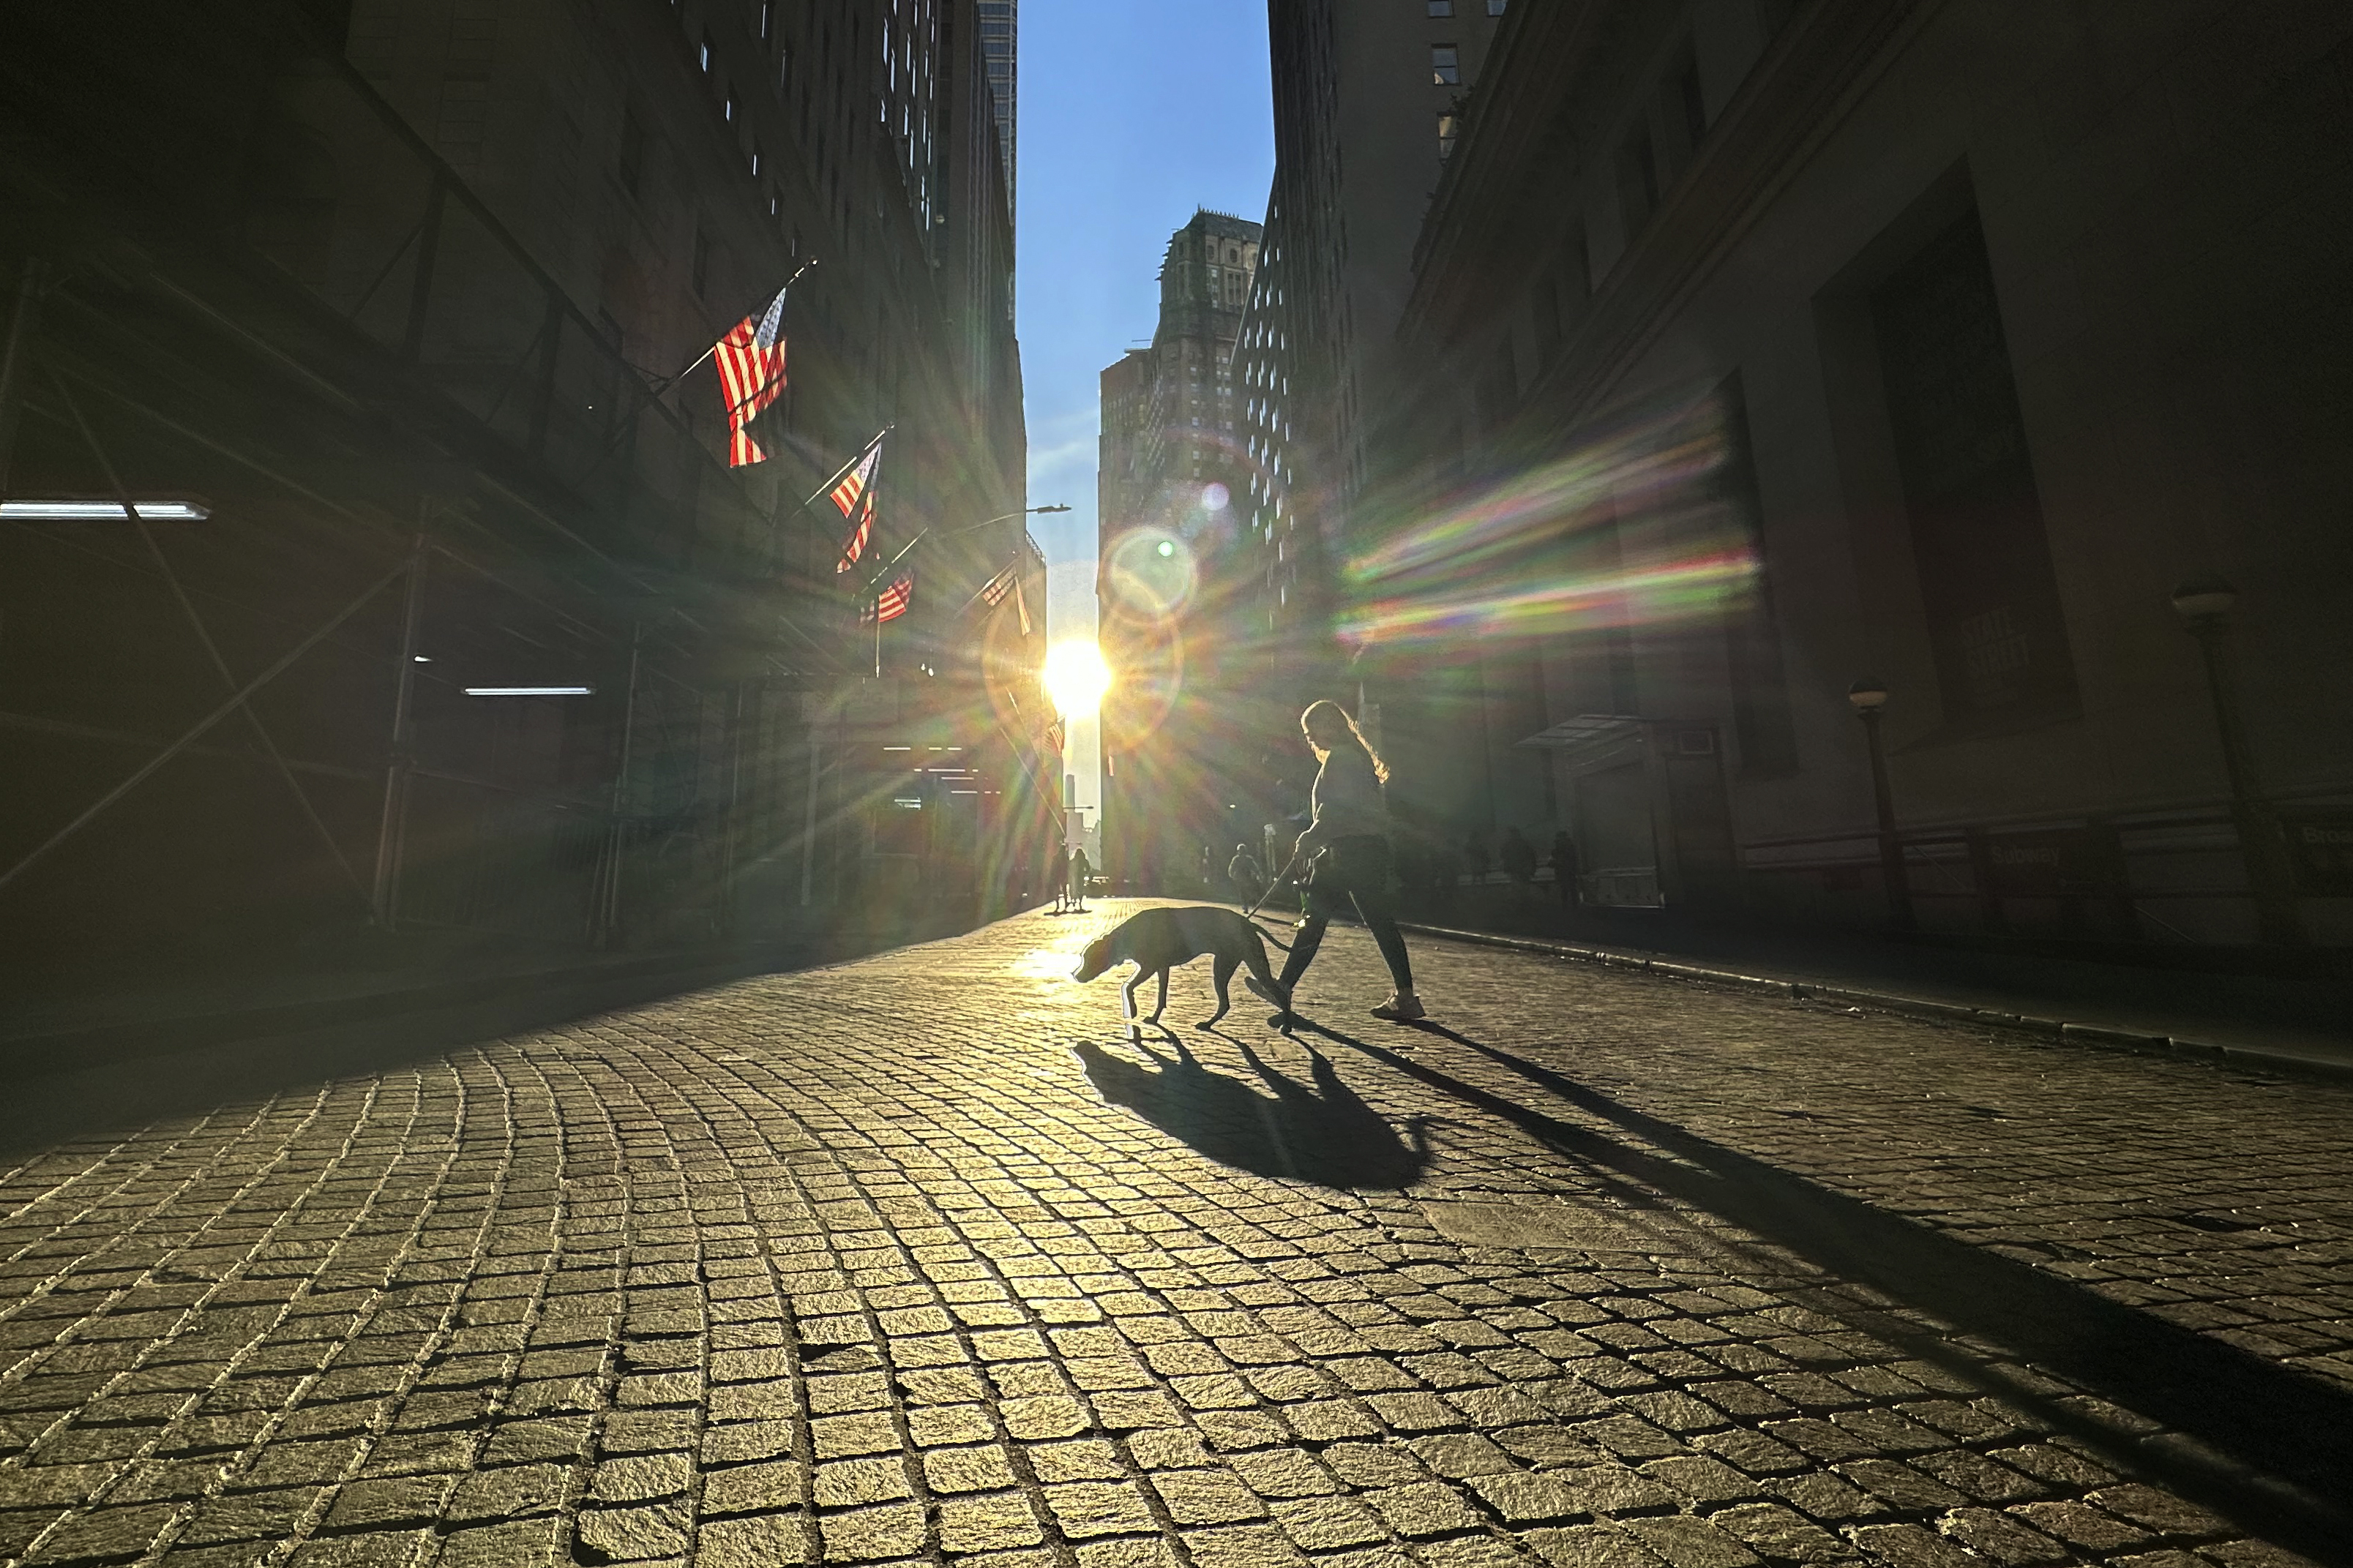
(1134, 112)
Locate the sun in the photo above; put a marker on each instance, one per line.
(1076, 676)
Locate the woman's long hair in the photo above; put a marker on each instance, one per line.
(1326, 709)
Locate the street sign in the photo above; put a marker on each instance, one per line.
(2320, 847)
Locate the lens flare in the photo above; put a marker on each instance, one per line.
(1152, 571)
(1636, 526)
(1076, 676)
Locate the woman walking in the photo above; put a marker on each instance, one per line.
(1347, 846)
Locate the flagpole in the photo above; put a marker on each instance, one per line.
(845, 467)
(713, 349)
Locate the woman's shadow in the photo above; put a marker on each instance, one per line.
(1325, 1134)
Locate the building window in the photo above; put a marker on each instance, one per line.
(1638, 179)
(1692, 101)
(1494, 7)
(1441, 7)
(633, 154)
(756, 160)
(1445, 66)
(727, 107)
(703, 56)
(767, 18)
(1449, 127)
(1996, 624)
(785, 69)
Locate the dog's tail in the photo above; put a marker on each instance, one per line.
(1269, 935)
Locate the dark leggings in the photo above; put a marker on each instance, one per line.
(1352, 870)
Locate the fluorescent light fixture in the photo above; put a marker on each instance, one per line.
(898, 748)
(153, 509)
(422, 658)
(529, 690)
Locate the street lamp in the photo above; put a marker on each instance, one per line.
(1869, 696)
(923, 533)
(2204, 605)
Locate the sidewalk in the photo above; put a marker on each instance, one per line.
(2254, 1019)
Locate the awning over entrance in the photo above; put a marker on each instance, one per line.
(1592, 739)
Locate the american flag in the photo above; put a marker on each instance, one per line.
(992, 594)
(892, 603)
(855, 488)
(860, 478)
(751, 377)
(855, 545)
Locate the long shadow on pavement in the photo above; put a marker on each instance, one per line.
(2264, 1443)
(1325, 1134)
(69, 1102)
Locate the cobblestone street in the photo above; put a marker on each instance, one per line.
(920, 1260)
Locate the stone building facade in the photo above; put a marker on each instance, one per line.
(1760, 350)
(409, 286)
(1368, 103)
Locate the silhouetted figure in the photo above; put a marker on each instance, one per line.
(1519, 858)
(1348, 846)
(1476, 857)
(1563, 869)
(1079, 871)
(1243, 872)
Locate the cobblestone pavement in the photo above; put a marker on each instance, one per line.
(918, 1259)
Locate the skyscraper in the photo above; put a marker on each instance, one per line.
(1387, 86)
(1171, 474)
(1000, 37)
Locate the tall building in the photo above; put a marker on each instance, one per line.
(1171, 468)
(1000, 41)
(1841, 350)
(409, 296)
(1369, 100)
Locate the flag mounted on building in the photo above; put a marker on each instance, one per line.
(751, 360)
(892, 603)
(992, 593)
(853, 493)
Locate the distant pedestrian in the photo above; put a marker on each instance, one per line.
(1079, 871)
(1476, 856)
(1244, 874)
(1347, 844)
(1563, 869)
(1519, 859)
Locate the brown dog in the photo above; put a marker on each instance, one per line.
(1157, 939)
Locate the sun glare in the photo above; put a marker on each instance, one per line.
(1076, 676)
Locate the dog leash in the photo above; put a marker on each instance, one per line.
(1251, 913)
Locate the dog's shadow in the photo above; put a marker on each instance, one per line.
(1324, 1133)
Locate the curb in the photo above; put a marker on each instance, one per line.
(2097, 1036)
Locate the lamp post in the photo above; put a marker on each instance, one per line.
(1869, 696)
(2204, 605)
(923, 533)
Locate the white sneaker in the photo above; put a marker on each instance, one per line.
(1404, 1007)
